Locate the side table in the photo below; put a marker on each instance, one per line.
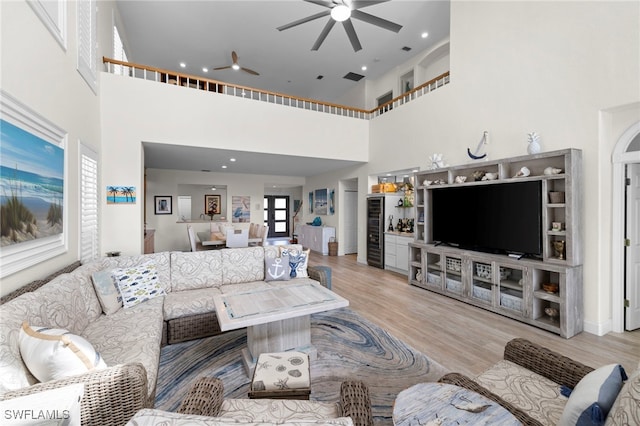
(437, 402)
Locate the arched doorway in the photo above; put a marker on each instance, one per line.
(625, 285)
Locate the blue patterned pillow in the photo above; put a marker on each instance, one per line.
(138, 283)
(298, 260)
(593, 396)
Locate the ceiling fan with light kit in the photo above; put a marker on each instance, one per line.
(234, 65)
(343, 11)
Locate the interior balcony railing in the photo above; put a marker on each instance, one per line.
(145, 72)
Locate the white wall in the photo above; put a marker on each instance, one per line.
(548, 67)
(38, 72)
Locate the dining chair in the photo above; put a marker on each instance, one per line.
(237, 238)
(195, 245)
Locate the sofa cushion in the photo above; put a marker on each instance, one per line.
(107, 291)
(277, 410)
(626, 408)
(593, 396)
(138, 284)
(13, 371)
(193, 270)
(131, 335)
(178, 304)
(160, 260)
(536, 395)
(54, 353)
(242, 265)
(274, 251)
(149, 417)
(71, 303)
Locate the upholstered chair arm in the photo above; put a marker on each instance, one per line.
(204, 398)
(321, 274)
(540, 360)
(111, 396)
(355, 402)
(465, 382)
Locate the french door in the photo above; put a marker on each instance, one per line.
(276, 215)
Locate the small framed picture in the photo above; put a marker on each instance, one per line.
(163, 204)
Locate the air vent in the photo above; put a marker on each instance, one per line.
(320, 77)
(406, 48)
(353, 76)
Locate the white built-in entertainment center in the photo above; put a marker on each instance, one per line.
(545, 289)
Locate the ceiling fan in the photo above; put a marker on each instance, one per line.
(234, 65)
(343, 11)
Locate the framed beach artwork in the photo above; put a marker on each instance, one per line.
(241, 209)
(320, 201)
(121, 194)
(332, 201)
(33, 199)
(310, 201)
(162, 204)
(211, 205)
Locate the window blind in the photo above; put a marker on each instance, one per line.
(86, 23)
(89, 229)
(118, 51)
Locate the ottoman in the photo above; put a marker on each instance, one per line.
(281, 375)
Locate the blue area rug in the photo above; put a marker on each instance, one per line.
(349, 348)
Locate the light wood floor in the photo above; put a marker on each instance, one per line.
(461, 337)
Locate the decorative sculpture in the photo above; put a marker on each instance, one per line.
(475, 155)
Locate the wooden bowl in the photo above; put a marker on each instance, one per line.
(550, 287)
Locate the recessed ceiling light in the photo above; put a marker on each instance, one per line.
(364, 68)
(205, 69)
(388, 174)
(224, 167)
(182, 65)
(232, 159)
(213, 188)
(414, 171)
(424, 34)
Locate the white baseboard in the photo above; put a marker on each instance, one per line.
(598, 328)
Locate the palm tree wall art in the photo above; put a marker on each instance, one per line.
(121, 194)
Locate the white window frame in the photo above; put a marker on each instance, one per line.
(87, 42)
(54, 21)
(119, 52)
(89, 224)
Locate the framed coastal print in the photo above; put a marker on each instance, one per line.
(310, 201)
(121, 194)
(241, 208)
(33, 203)
(320, 201)
(162, 204)
(332, 201)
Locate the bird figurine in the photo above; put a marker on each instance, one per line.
(534, 143)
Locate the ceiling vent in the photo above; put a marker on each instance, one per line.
(353, 76)
(320, 77)
(406, 48)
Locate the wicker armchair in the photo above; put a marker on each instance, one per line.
(206, 395)
(540, 360)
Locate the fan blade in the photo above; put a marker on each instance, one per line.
(304, 20)
(379, 22)
(324, 3)
(323, 34)
(351, 33)
(221, 68)
(359, 4)
(234, 56)
(249, 71)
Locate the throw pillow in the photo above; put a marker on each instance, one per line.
(52, 353)
(107, 291)
(138, 283)
(277, 269)
(593, 396)
(298, 260)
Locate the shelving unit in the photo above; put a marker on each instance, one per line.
(500, 283)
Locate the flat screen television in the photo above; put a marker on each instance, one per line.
(495, 218)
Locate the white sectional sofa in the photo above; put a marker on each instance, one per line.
(129, 339)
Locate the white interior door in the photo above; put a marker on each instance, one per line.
(350, 222)
(632, 279)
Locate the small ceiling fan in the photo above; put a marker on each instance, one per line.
(343, 11)
(234, 65)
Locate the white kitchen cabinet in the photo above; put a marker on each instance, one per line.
(316, 238)
(396, 252)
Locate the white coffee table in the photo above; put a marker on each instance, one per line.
(277, 319)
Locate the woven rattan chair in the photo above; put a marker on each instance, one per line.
(540, 360)
(206, 395)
